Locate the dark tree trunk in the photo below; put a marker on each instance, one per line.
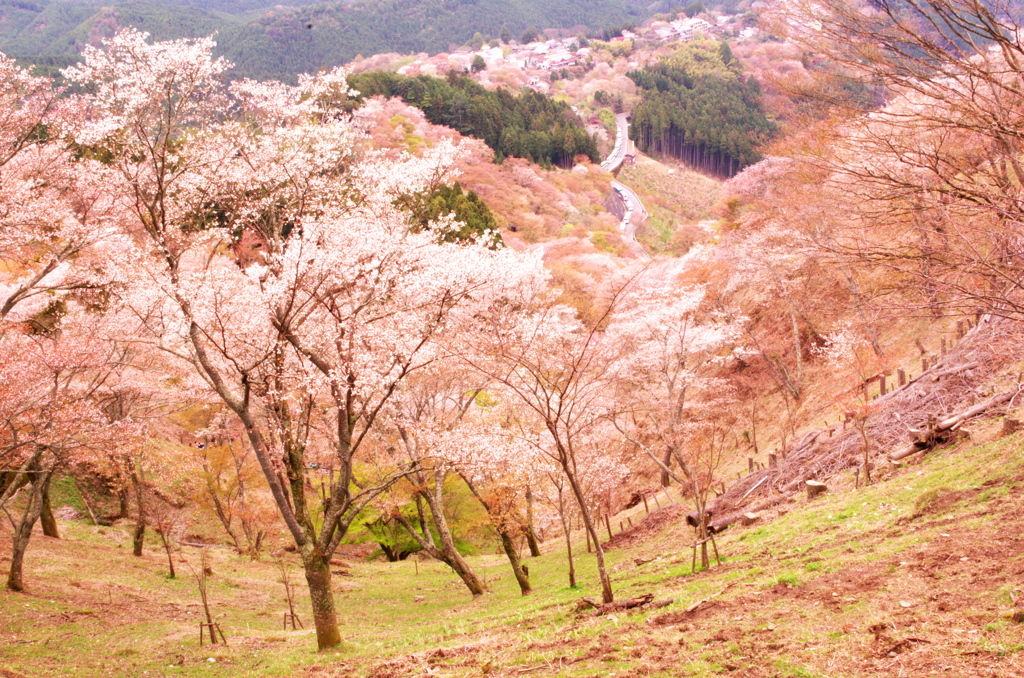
(517, 567)
(46, 514)
(607, 596)
(23, 532)
(531, 535)
(318, 577)
(123, 504)
(568, 539)
(139, 537)
(446, 552)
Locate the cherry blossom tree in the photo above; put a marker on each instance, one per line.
(673, 352)
(270, 257)
(561, 371)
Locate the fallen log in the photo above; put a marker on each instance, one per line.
(645, 601)
(930, 437)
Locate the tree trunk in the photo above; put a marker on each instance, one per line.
(568, 539)
(123, 504)
(139, 537)
(22, 533)
(606, 583)
(517, 567)
(531, 536)
(46, 514)
(318, 577)
(446, 552)
(170, 558)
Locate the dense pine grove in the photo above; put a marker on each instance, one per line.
(526, 125)
(696, 107)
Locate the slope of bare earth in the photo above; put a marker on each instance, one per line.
(915, 575)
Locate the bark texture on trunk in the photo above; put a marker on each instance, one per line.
(46, 514)
(531, 535)
(23, 532)
(318, 577)
(517, 567)
(607, 596)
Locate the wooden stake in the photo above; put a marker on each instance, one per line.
(942, 346)
(655, 497)
(646, 508)
(902, 376)
(608, 525)
(772, 460)
(630, 521)
(750, 464)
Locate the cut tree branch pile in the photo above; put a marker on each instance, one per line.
(930, 407)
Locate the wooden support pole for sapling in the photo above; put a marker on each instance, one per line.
(290, 616)
(209, 625)
(924, 363)
(902, 376)
(655, 497)
(646, 508)
(608, 525)
(750, 464)
(881, 385)
(670, 499)
(630, 521)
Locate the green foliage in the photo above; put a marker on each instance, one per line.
(473, 214)
(530, 34)
(528, 125)
(478, 64)
(282, 40)
(695, 106)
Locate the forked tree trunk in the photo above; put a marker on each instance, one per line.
(23, 532)
(318, 577)
(501, 515)
(446, 552)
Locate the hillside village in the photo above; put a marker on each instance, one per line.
(542, 62)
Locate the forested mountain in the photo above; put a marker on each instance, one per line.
(526, 125)
(281, 41)
(696, 107)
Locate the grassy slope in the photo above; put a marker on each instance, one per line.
(907, 577)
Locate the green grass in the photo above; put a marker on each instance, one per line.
(93, 610)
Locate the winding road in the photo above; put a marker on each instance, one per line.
(628, 197)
